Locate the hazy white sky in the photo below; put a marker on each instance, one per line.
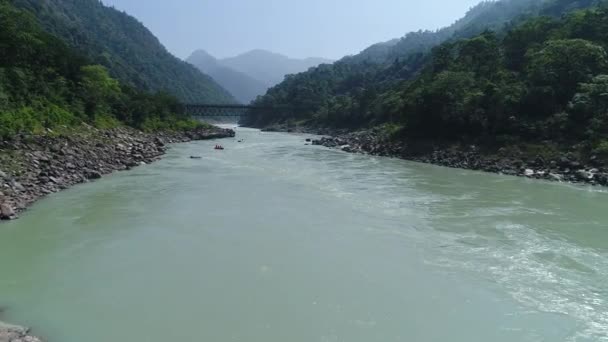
(297, 28)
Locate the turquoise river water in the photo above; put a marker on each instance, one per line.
(273, 241)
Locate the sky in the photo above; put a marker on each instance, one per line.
(296, 28)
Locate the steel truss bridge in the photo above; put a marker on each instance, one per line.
(234, 110)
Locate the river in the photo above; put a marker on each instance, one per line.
(274, 241)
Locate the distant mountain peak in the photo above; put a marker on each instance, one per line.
(203, 60)
(251, 73)
(261, 52)
(201, 53)
(270, 54)
(270, 67)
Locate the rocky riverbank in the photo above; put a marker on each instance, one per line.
(13, 333)
(533, 161)
(32, 167)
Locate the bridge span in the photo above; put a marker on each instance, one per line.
(235, 110)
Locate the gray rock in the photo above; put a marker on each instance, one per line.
(159, 142)
(529, 173)
(7, 212)
(17, 186)
(602, 178)
(594, 160)
(556, 177)
(584, 175)
(539, 161)
(13, 333)
(92, 174)
(3, 174)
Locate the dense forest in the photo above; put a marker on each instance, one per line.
(496, 71)
(45, 84)
(130, 52)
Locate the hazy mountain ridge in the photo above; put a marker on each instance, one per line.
(250, 74)
(269, 67)
(242, 86)
(125, 46)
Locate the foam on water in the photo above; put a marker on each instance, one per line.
(545, 274)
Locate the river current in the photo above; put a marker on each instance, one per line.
(272, 241)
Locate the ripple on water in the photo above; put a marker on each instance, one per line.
(550, 275)
(516, 237)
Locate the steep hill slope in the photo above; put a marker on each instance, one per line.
(44, 84)
(530, 101)
(125, 46)
(355, 83)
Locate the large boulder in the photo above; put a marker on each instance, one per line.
(92, 174)
(17, 186)
(7, 212)
(159, 142)
(584, 175)
(602, 178)
(556, 177)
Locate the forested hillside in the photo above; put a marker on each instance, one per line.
(546, 79)
(44, 84)
(369, 88)
(125, 47)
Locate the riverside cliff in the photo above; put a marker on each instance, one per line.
(32, 167)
